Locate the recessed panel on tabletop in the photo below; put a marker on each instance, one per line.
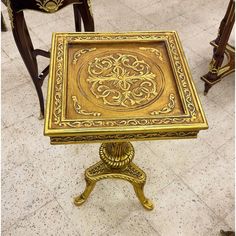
(120, 80)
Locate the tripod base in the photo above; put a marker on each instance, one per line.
(116, 163)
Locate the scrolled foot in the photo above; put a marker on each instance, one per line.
(83, 197)
(78, 201)
(147, 204)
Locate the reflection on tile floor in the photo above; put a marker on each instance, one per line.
(190, 181)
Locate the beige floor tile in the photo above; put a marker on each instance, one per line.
(11, 78)
(227, 150)
(27, 141)
(200, 44)
(20, 103)
(48, 220)
(227, 101)
(3, 125)
(105, 25)
(22, 193)
(37, 19)
(217, 228)
(193, 59)
(8, 45)
(147, 158)
(11, 157)
(161, 11)
(179, 24)
(62, 167)
(218, 128)
(5, 58)
(180, 155)
(230, 220)
(220, 123)
(109, 9)
(180, 212)
(187, 6)
(203, 17)
(213, 181)
(137, 5)
(133, 225)
(119, 19)
(44, 31)
(106, 207)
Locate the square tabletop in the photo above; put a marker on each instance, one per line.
(106, 87)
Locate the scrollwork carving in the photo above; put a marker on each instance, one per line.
(166, 109)
(79, 109)
(122, 80)
(155, 51)
(184, 86)
(80, 52)
(90, 138)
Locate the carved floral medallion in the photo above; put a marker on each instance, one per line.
(123, 81)
(49, 5)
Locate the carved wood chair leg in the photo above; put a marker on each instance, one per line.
(77, 17)
(86, 14)
(40, 97)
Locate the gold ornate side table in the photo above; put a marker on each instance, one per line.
(115, 88)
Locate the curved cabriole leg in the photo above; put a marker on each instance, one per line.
(83, 197)
(116, 162)
(87, 16)
(138, 188)
(25, 47)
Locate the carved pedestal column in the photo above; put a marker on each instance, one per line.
(116, 162)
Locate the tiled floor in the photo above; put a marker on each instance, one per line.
(191, 182)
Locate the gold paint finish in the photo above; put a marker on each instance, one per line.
(79, 109)
(117, 87)
(116, 163)
(49, 5)
(122, 81)
(168, 108)
(132, 90)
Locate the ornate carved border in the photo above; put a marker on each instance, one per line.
(116, 122)
(91, 138)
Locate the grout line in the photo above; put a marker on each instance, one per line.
(17, 122)
(181, 178)
(69, 219)
(220, 218)
(16, 223)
